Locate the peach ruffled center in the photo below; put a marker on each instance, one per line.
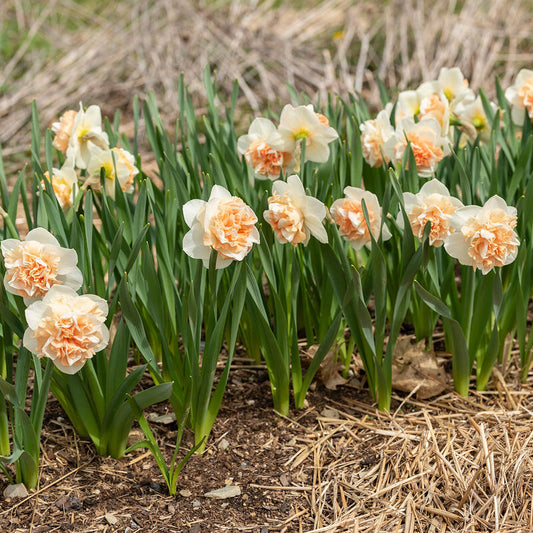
(348, 215)
(433, 106)
(31, 270)
(64, 130)
(70, 337)
(229, 231)
(492, 241)
(286, 220)
(265, 160)
(62, 189)
(322, 119)
(525, 94)
(437, 210)
(426, 154)
(372, 141)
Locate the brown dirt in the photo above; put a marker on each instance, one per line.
(78, 490)
(447, 464)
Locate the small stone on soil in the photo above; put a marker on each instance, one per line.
(156, 487)
(196, 504)
(223, 445)
(329, 413)
(110, 519)
(15, 491)
(230, 491)
(185, 493)
(162, 419)
(68, 503)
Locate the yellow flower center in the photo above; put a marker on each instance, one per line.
(301, 134)
(479, 123)
(109, 170)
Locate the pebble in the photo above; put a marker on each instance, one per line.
(16, 491)
(229, 491)
(111, 519)
(196, 504)
(185, 493)
(156, 487)
(68, 503)
(330, 413)
(223, 445)
(162, 419)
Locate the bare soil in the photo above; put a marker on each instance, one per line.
(82, 492)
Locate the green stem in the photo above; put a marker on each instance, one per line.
(281, 398)
(4, 429)
(468, 290)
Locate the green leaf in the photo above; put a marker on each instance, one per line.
(125, 416)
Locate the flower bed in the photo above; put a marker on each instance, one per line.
(249, 242)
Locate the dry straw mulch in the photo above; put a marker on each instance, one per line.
(451, 464)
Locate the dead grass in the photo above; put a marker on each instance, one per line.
(451, 464)
(108, 54)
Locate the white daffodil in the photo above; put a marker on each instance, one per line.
(433, 204)
(520, 96)
(86, 132)
(484, 237)
(67, 328)
(425, 102)
(301, 124)
(374, 134)
(265, 161)
(118, 164)
(35, 265)
(474, 120)
(428, 144)
(224, 223)
(454, 86)
(293, 215)
(348, 215)
(64, 183)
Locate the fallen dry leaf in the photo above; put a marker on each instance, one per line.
(330, 368)
(414, 366)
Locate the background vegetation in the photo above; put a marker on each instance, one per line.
(59, 52)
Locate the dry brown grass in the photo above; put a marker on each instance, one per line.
(448, 465)
(106, 55)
